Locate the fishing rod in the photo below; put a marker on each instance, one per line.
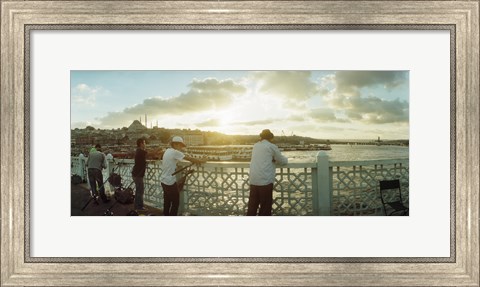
(94, 197)
(183, 168)
(113, 174)
(109, 211)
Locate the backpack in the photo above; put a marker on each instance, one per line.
(124, 195)
(76, 179)
(115, 179)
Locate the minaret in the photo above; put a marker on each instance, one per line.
(146, 123)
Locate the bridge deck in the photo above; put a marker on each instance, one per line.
(81, 194)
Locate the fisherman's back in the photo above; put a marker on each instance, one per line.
(96, 160)
(262, 166)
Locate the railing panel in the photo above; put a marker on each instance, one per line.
(355, 189)
(217, 191)
(294, 190)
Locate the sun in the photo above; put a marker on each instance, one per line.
(225, 121)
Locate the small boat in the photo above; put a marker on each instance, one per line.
(325, 147)
(307, 147)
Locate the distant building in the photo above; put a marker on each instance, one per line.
(85, 140)
(193, 139)
(136, 126)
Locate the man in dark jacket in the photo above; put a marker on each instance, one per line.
(138, 172)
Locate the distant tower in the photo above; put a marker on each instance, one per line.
(146, 121)
(378, 139)
(140, 119)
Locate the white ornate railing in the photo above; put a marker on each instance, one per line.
(77, 166)
(355, 189)
(223, 189)
(319, 188)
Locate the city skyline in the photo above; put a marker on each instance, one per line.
(317, 104)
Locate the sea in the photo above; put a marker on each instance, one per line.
(352, 153)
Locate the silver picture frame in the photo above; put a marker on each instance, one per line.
(19, 18)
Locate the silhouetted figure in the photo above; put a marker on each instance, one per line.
(138, 173)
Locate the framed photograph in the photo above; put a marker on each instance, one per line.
(101, 100)
(352, 133)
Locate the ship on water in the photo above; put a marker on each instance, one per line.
(311, 147)
(206, 152)
(242, 152)
(221, 153)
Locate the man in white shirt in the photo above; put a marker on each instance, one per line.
(171, 193)
(262, 174)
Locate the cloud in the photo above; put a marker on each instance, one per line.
(323, 114)
(292, 86)
(80, 125)
(271, 121)
(256, 122)
(209, 123)
(373, 110)
(351, 82)
(296, 118)
(204, 95)
(326, 115)
(82, 94)
(347, 98)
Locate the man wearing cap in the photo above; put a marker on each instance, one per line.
(171, 193)
(262, 174)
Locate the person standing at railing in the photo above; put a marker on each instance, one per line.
(171, 192)
(138, 173)
(96, 163)
(106, 172)
(81, 166)
(265, 155)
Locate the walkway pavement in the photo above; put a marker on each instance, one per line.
(80, 194)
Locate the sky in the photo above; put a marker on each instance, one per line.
(318, 104)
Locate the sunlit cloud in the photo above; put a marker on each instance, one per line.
(323, 114)
(203, 95)
(209, 123)
(296, 118)
(256, 123)
(294, 87)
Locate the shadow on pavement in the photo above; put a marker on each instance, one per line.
(80, 194)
